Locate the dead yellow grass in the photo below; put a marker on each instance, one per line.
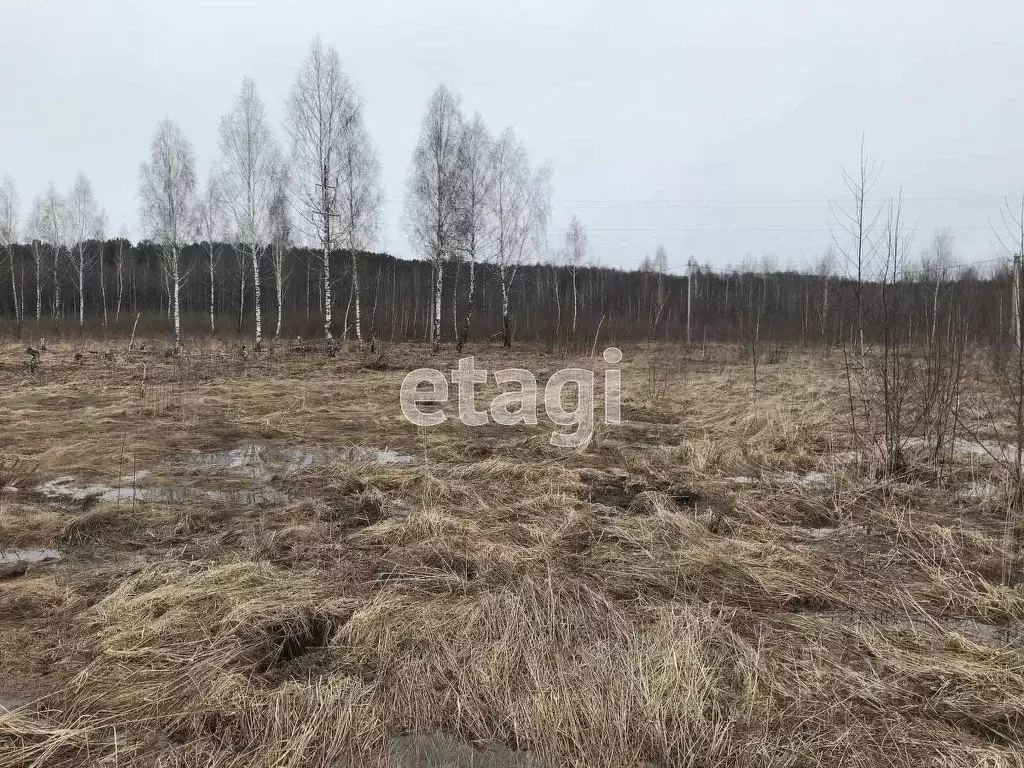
(675, 594)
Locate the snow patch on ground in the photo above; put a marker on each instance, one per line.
(816, 480)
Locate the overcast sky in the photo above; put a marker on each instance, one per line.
(717, 129)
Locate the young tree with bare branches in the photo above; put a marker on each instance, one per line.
(167, 203)
(280, 238)
(432, 202)
(36, 231)
(359, 198)
(575, 251)
(100, 236)
(53, 229)
(854, 239)
(520, 204)
(476, 227)
(9, 236)
(82, 214)
(321, 107)
(123, 246)
(210, 228)
(250, 156)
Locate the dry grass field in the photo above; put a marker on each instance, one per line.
(261, 563)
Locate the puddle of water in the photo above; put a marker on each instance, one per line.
(68, 488)
(14, 562)
(439, 750)
(368, 455)
(28, 556)
(258, 462)
(261, 464)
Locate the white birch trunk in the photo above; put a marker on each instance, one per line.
(256, 293)
(39, 289)
(438, 286)
(213, 323)
(506, 335)
(120, 291)
(175, 299)
(18, 309)
(241, 290)
(279, 285)
(574, 301)
(81, 288)
(103, 289)
(327, 293)
(355, 294)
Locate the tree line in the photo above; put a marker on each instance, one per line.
(548, 302)
(284, 231)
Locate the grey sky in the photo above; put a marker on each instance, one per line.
(716, 128)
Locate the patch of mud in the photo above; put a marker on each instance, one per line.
(437, 750)
(14, 562)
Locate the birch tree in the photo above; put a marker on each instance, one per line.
(823, 275)
(37, 228)
(250, 156)
(854, 233)
(359, 198)
(321, 106)
(280, 238)
(520, 202)
(9, 236)
(476, 227)
(99, 235)
(123, 245)
(54, 232)
(210, 228)
(167, 196)
(433, 191)
(575, 251)
(82, 213)
(936, 267)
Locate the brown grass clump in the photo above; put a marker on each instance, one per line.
(723, 580)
